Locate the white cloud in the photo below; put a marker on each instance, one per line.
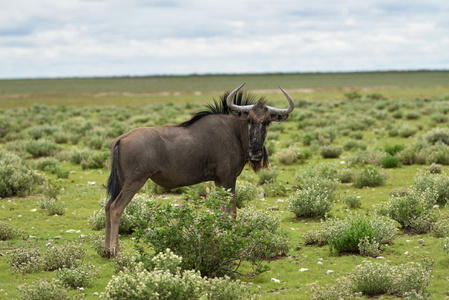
(137, 37)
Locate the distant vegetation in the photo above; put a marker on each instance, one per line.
(150, 89)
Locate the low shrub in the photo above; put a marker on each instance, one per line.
(209, 240)
(53, 207)
(273, 243)
(267, 176)
(5, 127)
(331, 151)
(127, 261)
(435, 182)
(408, 156)
(423, 223)
(376, 279)
(369, 177)
(165, 280)
(275, 189)
(43, 289)
(406, 131)
(60, 137)
(97, 243)
(316, 237)
(26, 260)
(273, 135)
(74, 138)
(372, 278)
(77, 155)
(287, 157)
(345, 175)
(399, 192)
(16, 146)
(433, 168)
(47, 164)
(303, 155)
(439, 118)
(367, 158)
(314, 200)
(397, 114)
(320, 136)
(353, 95)
(225, 288)
(96, 161)
(69, 256)
(42, 131)
(81, 276)
(323, 174)
(394, 149)
(245, 191)
(352, 201)
(7, 232)
(341, 290)
(357, 234)
(353, 145)
(97, 142)
(50, 164)
(390, 162)
(411, 209)
(437, 135)
(438, 154)
(393, 132)
(42, 147)
(78, 125)
(408, 280)
(369, 247)
(412, 115)
(358, 135)
(441, 228)
(134, 210)
(16, 177)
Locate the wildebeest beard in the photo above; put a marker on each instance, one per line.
(256, 165)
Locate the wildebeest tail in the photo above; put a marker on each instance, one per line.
(114, 188)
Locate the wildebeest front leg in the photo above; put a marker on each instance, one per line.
(232, 207)
(115, 210)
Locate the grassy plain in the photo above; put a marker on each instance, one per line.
(182, 89)
(321, 96)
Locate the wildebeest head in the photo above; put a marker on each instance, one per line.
(259, 117)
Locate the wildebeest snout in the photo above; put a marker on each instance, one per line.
(255, 154)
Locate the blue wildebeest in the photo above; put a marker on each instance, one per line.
(214, 146)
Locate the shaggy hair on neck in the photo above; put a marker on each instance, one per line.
(220, 107)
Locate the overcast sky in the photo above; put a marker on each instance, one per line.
(67, 38)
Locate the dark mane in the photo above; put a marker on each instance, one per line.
(220, 107)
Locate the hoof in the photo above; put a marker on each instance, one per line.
(109, 253)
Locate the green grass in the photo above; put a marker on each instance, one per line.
(325, 107)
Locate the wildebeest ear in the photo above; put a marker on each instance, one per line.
(240, 115)
(279, 117)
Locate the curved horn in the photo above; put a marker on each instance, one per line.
(231, 105)
(291, 105)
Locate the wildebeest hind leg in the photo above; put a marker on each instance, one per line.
(116, 209)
